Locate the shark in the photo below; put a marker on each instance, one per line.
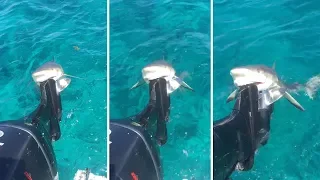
(158, 69)
(266, 79)
(52, 70)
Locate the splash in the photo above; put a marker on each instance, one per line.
(312, 86)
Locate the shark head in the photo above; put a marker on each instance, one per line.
(54, 71)
(266, 80)
(161, 69)
(262, 76)
(157, 70)
(47, 71)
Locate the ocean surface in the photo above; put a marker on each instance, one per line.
(262, 32)
(179, 31)
(74, 32)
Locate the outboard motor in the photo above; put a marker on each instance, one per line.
(134, 154)
(134, 150)
(26, 150)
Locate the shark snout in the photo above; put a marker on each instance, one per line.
(154, 72)
(238, 72)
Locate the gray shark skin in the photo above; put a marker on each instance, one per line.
(266, 79)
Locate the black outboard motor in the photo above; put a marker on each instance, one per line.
(240, 134)
(26, 151)
(134, 154)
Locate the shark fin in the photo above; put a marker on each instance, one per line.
(139, 83)
(182, 83)
(73, 76)
(62, 83)
(54, 59)
(274, 65)
(232, 96)
(293, 101)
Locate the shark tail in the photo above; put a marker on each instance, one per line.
(295, 87)
(311, 87)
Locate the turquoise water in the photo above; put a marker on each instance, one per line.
(261, 32)
(31, 33)
(144, 31)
